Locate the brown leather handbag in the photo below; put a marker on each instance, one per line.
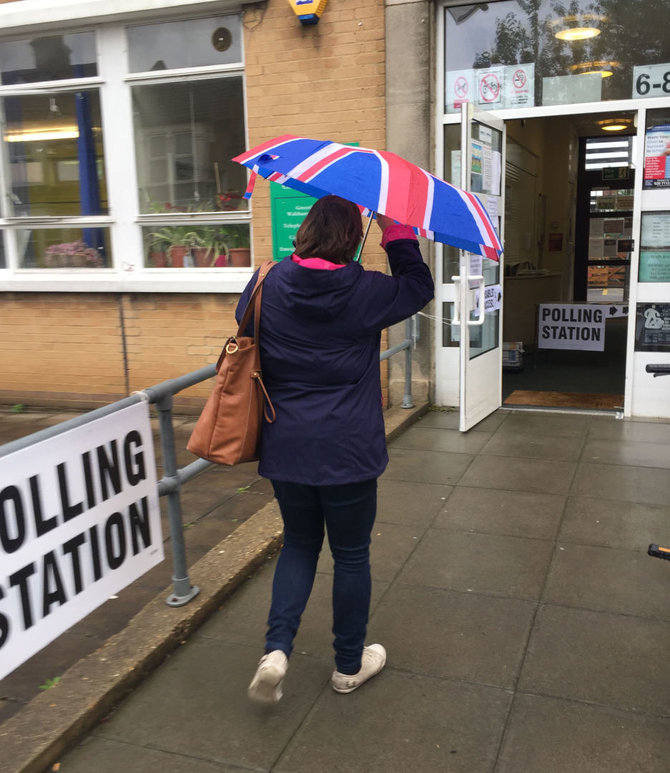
(229, 428)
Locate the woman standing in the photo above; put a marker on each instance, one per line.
(320, 335)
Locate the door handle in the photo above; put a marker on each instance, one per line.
(456, 319)
(481, 314)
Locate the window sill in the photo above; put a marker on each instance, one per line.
(146, 281)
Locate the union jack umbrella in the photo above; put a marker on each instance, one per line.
(377, 181)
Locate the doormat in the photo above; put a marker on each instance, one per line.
(566, 400)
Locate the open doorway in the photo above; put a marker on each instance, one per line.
(568, 244)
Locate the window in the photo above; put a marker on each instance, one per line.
(117, 151)
(186, 132)
(54, 151)
(521, 53)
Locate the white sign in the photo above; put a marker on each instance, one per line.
(519, 86)
(651, 80)
(490, 87)
(79, 520)
(571, 326)
(492, 298)
(460, 88)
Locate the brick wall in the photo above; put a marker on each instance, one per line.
(325, 81)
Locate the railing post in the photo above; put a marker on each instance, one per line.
(407, 397)
(183, 590)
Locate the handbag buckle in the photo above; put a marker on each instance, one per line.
(231, 347)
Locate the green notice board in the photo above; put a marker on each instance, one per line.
(288, 210)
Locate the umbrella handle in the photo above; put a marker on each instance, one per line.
(357, 257)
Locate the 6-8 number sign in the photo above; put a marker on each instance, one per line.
(651, 81)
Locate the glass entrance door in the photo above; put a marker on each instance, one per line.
(469, 358)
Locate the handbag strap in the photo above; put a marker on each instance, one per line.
(254, 304)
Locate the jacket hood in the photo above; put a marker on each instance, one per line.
(314, 293)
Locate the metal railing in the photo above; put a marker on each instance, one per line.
(161, 395)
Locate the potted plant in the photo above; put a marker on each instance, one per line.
(235, 239)
(178, 240)
(72, 255)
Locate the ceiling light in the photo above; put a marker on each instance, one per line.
(40, 135)
(577, 27)
(615, 124)
(577, 33)
(604, 69)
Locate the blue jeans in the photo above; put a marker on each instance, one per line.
(348, 512)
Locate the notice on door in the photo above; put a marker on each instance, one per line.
(571, 326)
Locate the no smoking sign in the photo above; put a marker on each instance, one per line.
(519, 79)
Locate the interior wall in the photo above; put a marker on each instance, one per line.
(555, 143)
(561, 160)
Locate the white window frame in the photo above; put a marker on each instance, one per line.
(114, 83)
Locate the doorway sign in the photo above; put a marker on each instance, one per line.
(579, 326)
(79, 521)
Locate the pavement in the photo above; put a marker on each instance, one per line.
(527, 630)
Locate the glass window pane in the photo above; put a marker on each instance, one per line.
(520, 53)
(192, 43)
(214, 245)
(655, 247)
(55, 154)
(68, 247)
(186, 135)
(52, 58)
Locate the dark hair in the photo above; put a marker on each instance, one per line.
(332, 230)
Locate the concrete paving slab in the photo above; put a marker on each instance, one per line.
(627, 582)
(638, 454)
(400, 722)
(409, 504)
(535, 446)
(543, 423)
(435, 439)
(643, 485)
(599, 657)
(426, 466)
(491, 511)
(450, 634)
(614, 524)
(479, 563)
(105, 756)
(651, 431)
(546, 734)
(447, 419)
(201, 680)
(515, 473)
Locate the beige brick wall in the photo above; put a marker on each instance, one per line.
(325, 81)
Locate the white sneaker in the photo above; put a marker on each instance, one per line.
(266, 685)
(372, 662)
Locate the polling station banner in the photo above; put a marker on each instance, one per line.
(578, 326)
(79, 520)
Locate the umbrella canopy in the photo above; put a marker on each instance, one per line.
(379, 182)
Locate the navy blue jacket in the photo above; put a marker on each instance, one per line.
(320, 335)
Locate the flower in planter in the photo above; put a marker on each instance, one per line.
(72, 255)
